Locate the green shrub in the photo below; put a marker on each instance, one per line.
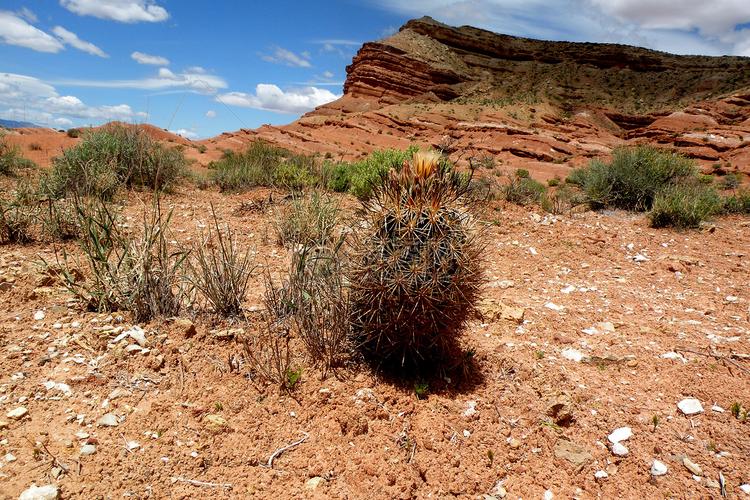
(738, 203)
(339, 177)
(74, 133)
(10, 158)
(730, 181)
(307, 221)
(364, 175)
(524, 191)
(577, 177)
(113, 157)
(706, 179)
(522, 173)
(553, 182)
(634, 177)
(684, 206)
(415, 268)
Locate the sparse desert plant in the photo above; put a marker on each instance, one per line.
(10, 158)
(35, 146)
(135, 273)
(267, 352)
(730, 181)
(366, 174)
(74, 133)
(59, 220)
(523, 190)
(307, 221)
(562, 200)
(522, 173)
(253, 167)
(317, 292)
(633, 178)
(17, 222)
(738, 203)
(220, 270)
(415, 270)
(684, 206)
(113, 157)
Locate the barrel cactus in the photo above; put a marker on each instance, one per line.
(415, 271)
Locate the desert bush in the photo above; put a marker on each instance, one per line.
(522, 173)
(684, 206)
(17, 222)
(339, 177)
(317, 292)
(113, 157)
(74, 133)
(307, 220)
(366, 174)
(10, 158)
(562, 200)
(253, 167)
(220, 271)
(415, 268)
(523, 190)
(59, 220)
(633, 178)
(35, 146)
(730, 181)
(738, 203)
(135, 273)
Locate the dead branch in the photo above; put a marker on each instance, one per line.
(281, 450)
(726, 359)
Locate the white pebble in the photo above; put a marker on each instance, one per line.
(690, 406)
(620, 434)
(658, 468)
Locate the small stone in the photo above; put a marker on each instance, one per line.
(215, 422)
(108, 420)
(658, 468)
(620, 450)
(10, 457)
(39, 315)
(471, 409)
(132, 445)
(136, 333)
(88, 449)
(712, 483)
(499, 490)
(554, 307)
(692, 466)
(639, 258)
(3, 425)
(690, 406)
(572, 354)
(18, 413)
(514, 443)
(745, 488)
(185, 326)
(47, 492)
(620, 434)
(119, 392)
(601, 474)
(313, 483)
(548, 495)
(572, 452)
(717, 409)
(82, 435)
(674, 356)
(56, 472)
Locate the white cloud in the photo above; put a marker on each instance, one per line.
(39, 101)
(287, 57)
(72, 39)
(183, 132)
(142, 58)
(27, 14)
(124, 11)
(164, 80)
(687, 27)
(210, 113)
(327, 74)
(16, 31)
(271, 98)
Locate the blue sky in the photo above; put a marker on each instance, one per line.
(202, 68)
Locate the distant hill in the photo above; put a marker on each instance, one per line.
(17, 124)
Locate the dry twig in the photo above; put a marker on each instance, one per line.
(281, 450)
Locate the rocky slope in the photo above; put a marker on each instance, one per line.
(542, 105)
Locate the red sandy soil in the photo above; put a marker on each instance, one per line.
(370, 437)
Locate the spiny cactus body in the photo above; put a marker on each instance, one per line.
(415, 273)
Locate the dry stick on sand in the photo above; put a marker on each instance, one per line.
(281, 450)
(720, 357)
(195, 482)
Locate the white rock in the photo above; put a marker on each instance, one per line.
(471, 409)
(568, 289)
(620, 434)
(107, 420)
(88, 449)
(639, 258)
(136, 333)
(39, 315)
(82, 435)
(47, 492)
(554, 307)
(694, 468)
(10, 457)
(658, 468)
(133, 445)
(548, 495)
(314, 482)
(533, 251)
(690, 406)
(674, 356)
(601, 474)
(572, 354)
(18, 413)
(745, 488)
(717, 409)
(620, 450)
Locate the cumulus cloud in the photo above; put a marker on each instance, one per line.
(281, 55)
(15, 30)
(22, 95)
(165, 79)
(124, 11)
(27, 14)
(210, 113)
(142, 58)
(270, 97)
(72, 39)
(692, 27)
(183, 132)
